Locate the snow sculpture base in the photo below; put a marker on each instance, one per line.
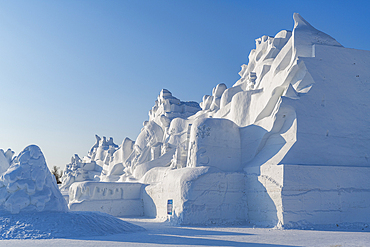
(117, 199)
(201, 196)
(325, 195)
(289, 196)
(308, 196)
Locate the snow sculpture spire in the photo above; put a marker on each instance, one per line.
(305, 36)
(96, 145)
(299, 21)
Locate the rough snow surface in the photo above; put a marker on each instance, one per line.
(28, 186)
(61, 225)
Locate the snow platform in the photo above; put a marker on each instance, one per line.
(114, 198)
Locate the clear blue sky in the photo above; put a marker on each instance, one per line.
(73, 69)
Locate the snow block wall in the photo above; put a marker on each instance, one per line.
(332, 117)
(215, 142)
(263, 187)
(325, 195)
(200, 196)
(286, 145)
(216, 198)
(117, 199)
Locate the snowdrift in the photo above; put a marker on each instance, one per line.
(48, 225)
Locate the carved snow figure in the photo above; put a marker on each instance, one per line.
(103, 153)
(215, 142)
(217, 93)
(71, 172)
(159, 140)
(79, 170)
(178, 138)
(28, 185)
(105, 161)
(171, 107)
(147, 147)
(115, 168)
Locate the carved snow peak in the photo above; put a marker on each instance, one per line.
(305, 36)
(28, 185)
(168, 107)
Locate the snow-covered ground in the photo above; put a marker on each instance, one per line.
(164, 234)
(49, 225)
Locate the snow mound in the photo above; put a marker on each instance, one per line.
(28, 186)
(48, 225)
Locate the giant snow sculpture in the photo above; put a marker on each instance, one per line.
(287, 145)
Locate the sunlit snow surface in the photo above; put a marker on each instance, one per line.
(164, 234)
(46, 225)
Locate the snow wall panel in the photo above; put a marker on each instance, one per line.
(326, 196)
(199, 197)
(114, 198)
(333, 120)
